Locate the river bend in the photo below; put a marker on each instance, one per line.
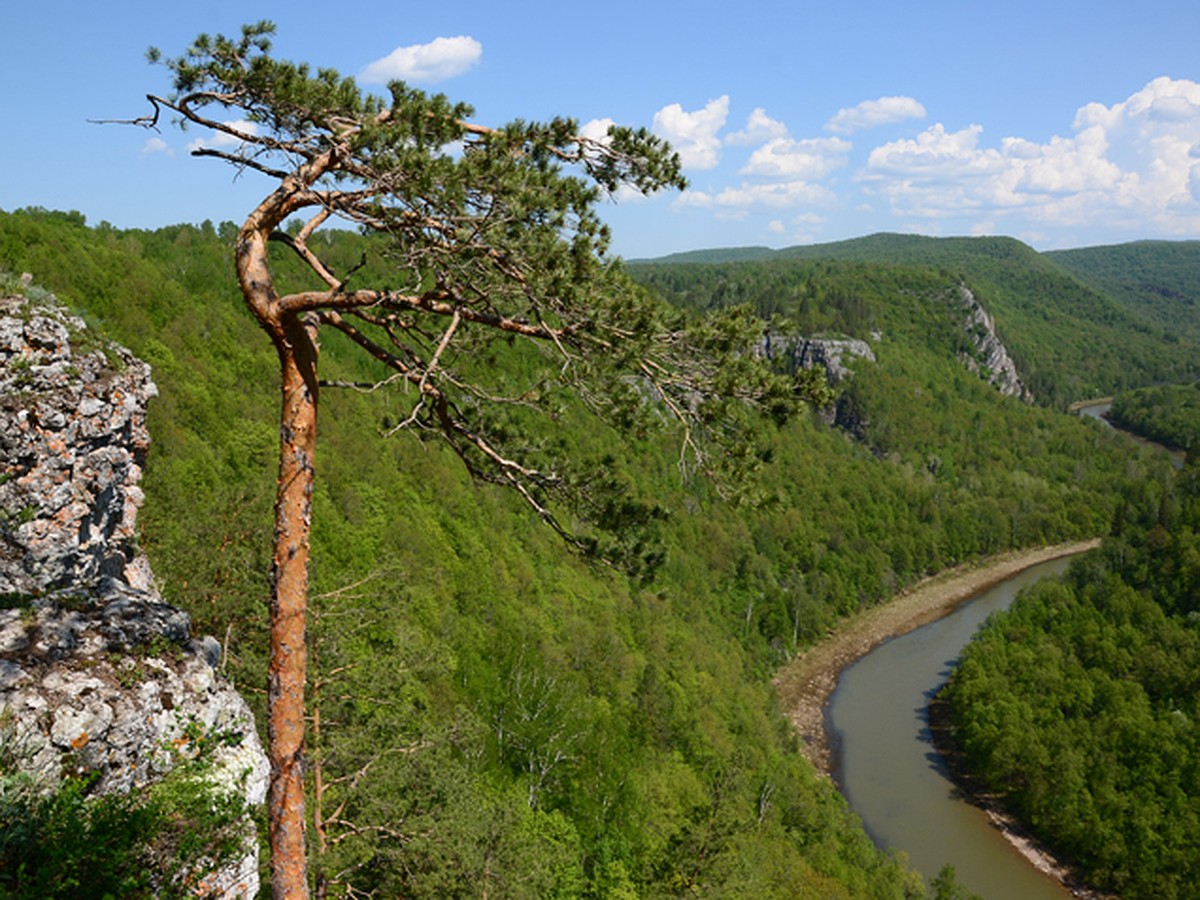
(890, 773)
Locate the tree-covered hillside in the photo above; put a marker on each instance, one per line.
(1079, 705)
(1157, 281)
(493, 712)
(1070, 341)
(1168, 414)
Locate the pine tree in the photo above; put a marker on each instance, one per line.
(493, 246)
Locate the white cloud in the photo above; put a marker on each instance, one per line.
(759, 128)
(222, 140)
(430, 63)
(1130, 168)
(1135, 164)
(693, 135)
(806, 228)
(156, 145)
(776, 195)
(870, 113)
(596, 129)
(937, 155)
(813, 158)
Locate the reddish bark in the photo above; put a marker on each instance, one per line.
(296, 344)
(289, 592)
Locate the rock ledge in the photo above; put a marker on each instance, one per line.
(97, 673)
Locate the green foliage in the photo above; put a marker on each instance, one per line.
(946, 886)
(1168, 415)
(1070, 341)
(1157, 281)
(59, 841)
(494, 707)
(1079, 704)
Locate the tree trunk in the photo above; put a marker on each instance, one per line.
(289, 592)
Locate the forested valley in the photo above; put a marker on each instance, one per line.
(493, 712)
(1079, 704)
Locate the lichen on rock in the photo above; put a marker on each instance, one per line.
(97, 673)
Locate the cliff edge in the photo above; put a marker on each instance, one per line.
(98, 676)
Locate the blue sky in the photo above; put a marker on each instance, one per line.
(1060, 123)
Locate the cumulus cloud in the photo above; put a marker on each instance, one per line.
(808, 159)
(694, 135)
(870, 113)
(596, 129)
(746, 197)
(430, 63)
(156, 145)
(1113, 170)
(223, 140)
(938, 155)
(759, 128)
(1136, 162)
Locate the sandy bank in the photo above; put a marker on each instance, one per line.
(806, 684)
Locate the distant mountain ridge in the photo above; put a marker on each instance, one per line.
(1073, 326)
(1158, 281)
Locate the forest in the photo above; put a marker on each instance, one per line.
(1168, 414)
(1159, 281)
(1071, 339)
(1078, 705)
(496, 710)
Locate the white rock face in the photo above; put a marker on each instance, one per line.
(97, 673)
(831, 354)
(991, 358)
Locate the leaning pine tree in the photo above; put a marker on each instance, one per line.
(493, 245)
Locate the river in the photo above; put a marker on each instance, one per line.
(889, 772)
(1097, 409)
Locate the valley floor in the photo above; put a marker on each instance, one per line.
(806, 684)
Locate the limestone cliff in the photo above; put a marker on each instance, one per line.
(989, 357)
(831, 354)
(834, 355)
(96, 671)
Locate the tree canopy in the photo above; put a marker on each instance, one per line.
(491, 246)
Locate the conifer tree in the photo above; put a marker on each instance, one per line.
(493, 246)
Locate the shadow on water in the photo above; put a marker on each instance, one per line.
(894, 764)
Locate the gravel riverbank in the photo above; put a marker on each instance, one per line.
(806, 684)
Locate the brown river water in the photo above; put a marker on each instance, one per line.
(887, 768)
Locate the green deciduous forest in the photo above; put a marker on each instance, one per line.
(1079, 704)
(1168, 414)
(1070, 340)
(1158, 281)
(491, 711)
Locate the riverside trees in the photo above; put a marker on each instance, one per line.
(1078, 705)
(493, 248)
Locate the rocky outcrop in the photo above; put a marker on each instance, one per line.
(834, 355)
(989, 357)
(831, 354)
(72, 446)
(97, 673)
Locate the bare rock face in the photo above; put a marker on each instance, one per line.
(72, 446)
(831, 354)
(835, 356)
(97, 673)
(990, 359)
